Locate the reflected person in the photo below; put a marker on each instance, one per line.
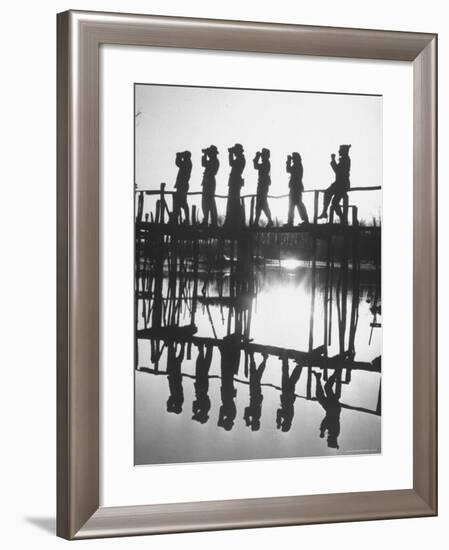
(201, 404)
(210, 163)
(296, 187)
(284, 415)
(230, 359)
(234, 211)
(330, 401)
(174, 375)
(184, 163)
(254, 411)
(338, 190)
(262, 164)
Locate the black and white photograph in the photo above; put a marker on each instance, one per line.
(257, 274)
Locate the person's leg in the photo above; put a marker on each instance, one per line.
(175, 208)
(213, 211)
(208, 358)
(185, 207)
(261, 368)
(291, 209)
(267, 211)
(205, 208)
(328, 386)
(338, 197)
(258, 210)
(319, 393)
(296, 374)
(326, 201)
(302, 210)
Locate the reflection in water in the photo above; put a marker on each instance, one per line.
(201, 405)
(285, 413)
(330, 401)
(253, 411)
(270, 355)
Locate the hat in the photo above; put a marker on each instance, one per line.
(265, 151)
(213, 149)
(239, 146)
(345, 148)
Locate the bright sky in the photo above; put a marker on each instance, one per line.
(176, 118)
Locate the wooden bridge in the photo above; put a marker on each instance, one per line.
(163, 214)
(315, 358)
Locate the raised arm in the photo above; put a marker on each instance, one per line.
(334, 164)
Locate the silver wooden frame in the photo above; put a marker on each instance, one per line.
(80, 35)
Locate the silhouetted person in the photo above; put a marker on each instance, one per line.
(295, 169)
(184, 163)
(210, 163)
(201, 405)
(234, 212)
(230, 359)
(330, 401)
(339, 189)
(254, 411)
(262, 164)
(285, 413)
(174, 375)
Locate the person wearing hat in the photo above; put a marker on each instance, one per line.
(330, 401)
(210, 163)
(234, 211)
(184, 163)
(261, 163)
(338, 190)
(295, 169)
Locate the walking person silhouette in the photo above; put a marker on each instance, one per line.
(330, 401)
(262, 164)
(184, 163)
(339, 188)
(234, 211)
(295, 169)
(210, 163)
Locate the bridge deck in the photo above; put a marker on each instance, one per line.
(314, 358)
(192, 232)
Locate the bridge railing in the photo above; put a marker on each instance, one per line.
(163, 214)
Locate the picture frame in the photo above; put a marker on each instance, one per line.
(79, 36)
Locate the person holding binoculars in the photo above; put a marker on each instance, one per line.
(339, 188)
(262, 164)
(184, 163)
(234, 211)
(295, 169)
(210, 163)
